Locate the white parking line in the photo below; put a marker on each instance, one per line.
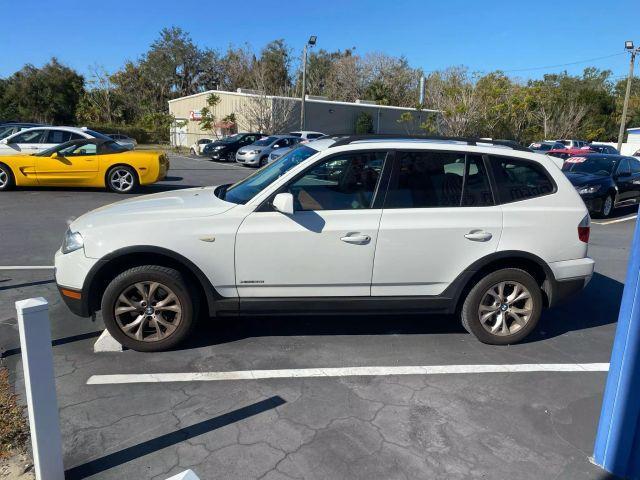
(343, 372)
(27, 267)
(619, 220)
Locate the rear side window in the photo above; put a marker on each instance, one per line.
(58, 136)
(519, 179)
(438, 179)
(635, 165)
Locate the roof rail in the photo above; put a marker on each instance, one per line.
(348, 139)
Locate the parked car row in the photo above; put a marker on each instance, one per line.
(251, 148)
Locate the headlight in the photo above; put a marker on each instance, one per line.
(218, 147)
(254, 152)
(589, 189)
(72, 242)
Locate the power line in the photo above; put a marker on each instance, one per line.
(564, 64)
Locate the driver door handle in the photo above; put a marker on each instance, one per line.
(478, 236)
(356, 238)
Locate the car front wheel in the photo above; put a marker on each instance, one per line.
(149, 308)
(503, 307)
(607, 206)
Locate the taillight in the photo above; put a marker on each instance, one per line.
(584, 229)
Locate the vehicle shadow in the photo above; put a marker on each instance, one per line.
(597, 305)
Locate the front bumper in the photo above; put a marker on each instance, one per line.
(248, 158)
(76, 300)
(71, 271)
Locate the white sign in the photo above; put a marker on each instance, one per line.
(195, 115)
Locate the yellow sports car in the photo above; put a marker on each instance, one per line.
(91, 162)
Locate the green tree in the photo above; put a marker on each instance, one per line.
(208, 117)
(49, 94)
(364, 124)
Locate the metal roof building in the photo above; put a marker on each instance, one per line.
(252, 111)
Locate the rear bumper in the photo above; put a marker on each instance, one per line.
(571, 276)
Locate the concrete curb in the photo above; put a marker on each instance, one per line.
(106, 343)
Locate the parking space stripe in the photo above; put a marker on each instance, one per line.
(343, 372)
(27, 267)
(619, 220)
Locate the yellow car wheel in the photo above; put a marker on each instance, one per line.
(7, 181)
(122, 179)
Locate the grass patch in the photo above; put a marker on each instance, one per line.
(14, 429)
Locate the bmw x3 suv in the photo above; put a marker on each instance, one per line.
(488, 232)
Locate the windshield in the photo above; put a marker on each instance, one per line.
(265, 141)
(593, 165)
(232, 138)
(97, 134)
(541, 146)
(5, 132)
(248, 188)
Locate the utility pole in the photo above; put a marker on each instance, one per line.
(633, 51)
(311, 42)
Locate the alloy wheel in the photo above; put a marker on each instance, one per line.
(148, 311)
(121, 180)
(505, 308)
(608, 204)
(4, 178)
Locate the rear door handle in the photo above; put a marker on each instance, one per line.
(356, 238)
(478, 236)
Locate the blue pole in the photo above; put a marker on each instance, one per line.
(617, 446)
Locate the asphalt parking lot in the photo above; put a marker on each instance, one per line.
(457, 425)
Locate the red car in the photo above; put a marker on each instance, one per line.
(565, 153)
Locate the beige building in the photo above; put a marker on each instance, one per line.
(269, 114)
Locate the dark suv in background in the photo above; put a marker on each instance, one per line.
(226, 148)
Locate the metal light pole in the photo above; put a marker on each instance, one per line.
(311, 42)
(633, 51)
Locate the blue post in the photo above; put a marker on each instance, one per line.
(617, 447)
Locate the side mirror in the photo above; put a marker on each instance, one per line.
(283, 203)
(55, 155)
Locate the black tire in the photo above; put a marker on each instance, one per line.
(603, 212)
(132, 182)
(169, 279)
(7, 181)
(262, 162)
(470, 314)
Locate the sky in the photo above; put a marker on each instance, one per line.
(515, 36)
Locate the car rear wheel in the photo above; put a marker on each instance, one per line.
(503, 307)
(7, 181)
(149, 308)
(192, 151)
(122, 179)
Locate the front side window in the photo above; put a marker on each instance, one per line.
(438, 179)
(635, 165)
(519, 179)
(343, 182)
(78, 150)
(624, 170)
(34, 136)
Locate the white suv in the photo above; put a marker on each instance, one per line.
(488, 232)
